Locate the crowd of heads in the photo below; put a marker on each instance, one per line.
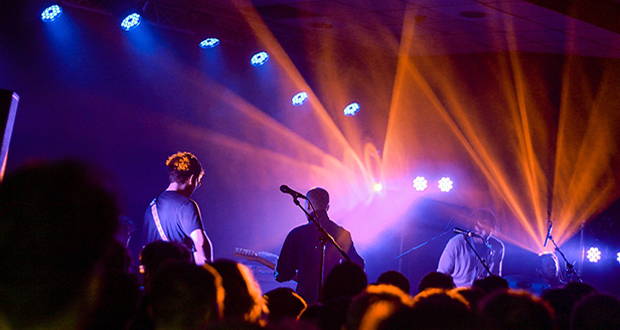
(62, 268)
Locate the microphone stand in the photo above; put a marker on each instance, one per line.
(325, 238)
(484, 263)
(422, 244)
(570, 268)
(402, 254)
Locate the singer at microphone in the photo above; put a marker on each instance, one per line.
(459, 258)
(300, 258)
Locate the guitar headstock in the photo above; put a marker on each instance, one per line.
(253, 256)
(246, 253)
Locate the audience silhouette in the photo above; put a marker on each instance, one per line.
(186, 296)
(57, 224)
(512, 310)
(436, 280)
(243, 302)
(396, 279)
(284, 303)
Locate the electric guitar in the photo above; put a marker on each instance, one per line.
(254, 256)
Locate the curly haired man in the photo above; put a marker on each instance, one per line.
(173, 215)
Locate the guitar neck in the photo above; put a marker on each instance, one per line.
(253, 256)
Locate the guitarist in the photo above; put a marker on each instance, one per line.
(301, 252)
(173, 215)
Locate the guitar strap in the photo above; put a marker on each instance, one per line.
(160, 230)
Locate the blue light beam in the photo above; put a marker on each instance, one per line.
(259, 59)
(131, 21)
(299, 98)
(51, 13)
(209, 43)
(351, 109)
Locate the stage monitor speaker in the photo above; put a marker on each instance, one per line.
(8, 109)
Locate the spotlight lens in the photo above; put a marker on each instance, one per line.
(618, 258)
(131, 21)
(51, 13)
(377, 187)
(420, 183)
(299, 98)
(259, 59)
(352, 109)
(593, 254)
(209, 43)
(445, 184)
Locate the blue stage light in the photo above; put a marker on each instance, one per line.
(51, 13)
(259, 59)
(618, 258)
(352, 109)
(299, 98)
(131, 21)
(420, 183)
(209, 43)
(594, 254)
(445, 184)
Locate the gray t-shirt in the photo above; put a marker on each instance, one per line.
(459, 261)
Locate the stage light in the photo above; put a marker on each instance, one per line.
(445, 184)
(352, 109)
(299, 98)
(51, 13)
(259, 59)
(131, 21)
(618, 258)
(377, 187)
(593, 254)
(209, 43)
(420, 183)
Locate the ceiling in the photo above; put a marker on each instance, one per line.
(443, 26)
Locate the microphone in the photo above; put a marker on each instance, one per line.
(465, 232)
(549, 229)
(287, 190)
